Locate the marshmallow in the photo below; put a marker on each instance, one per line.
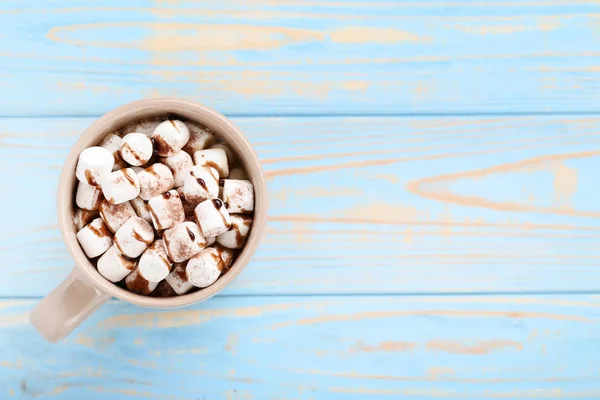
(188, 208)
(216, 158)
(238, 173)
(183, 241)
(93, 165)
(200, 138)
(141, 209)
(154, 264)
(236, 236)
(228, 153)
(136, 283)
(121, 186)
(134, 237)
(113, 266)
(155, 180)
(212, 217)
(166, 210)
(112, 143)
(94, 238)
(163, 289)
(178, 279)
(115, 215)
(201, 183)
(204, 268)
(169, 137)
(83, 217)
(210, 240)
(88, 197)
(146, 127)
(226, 255)
(180, 163)
(136, 149)
(238, 196)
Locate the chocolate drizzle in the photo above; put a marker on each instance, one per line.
(133, 153)
(190, 234)
(90, 178)
(140, 238)
(130, 179)
(100, 232)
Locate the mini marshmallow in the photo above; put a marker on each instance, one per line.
(113, 266)
(216, 158)
(212, 217)
(166, 210)
(188, 208)
(112, 143)
(226, 255)
(238, 173)
(169, 137)
(115, 215)
(200, 138)
(201, 183)
(94, 238)
(154, 264)
(238, 196)
(155, 180)
(83, 217)
(178, 279)
(146, 127)
(204, 268)
(183, 241)
(121, 186)
(134, 237)
(228, 153)
(236, 236)
(210, 240)
(180, 163)
(93, 165)
(136, 149)
(88, 197)
(136, 283)
(141, 209)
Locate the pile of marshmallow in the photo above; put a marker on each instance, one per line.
(160, 207)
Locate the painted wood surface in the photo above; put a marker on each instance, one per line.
(449, 347)
(366, 205)
(432, 172)
(265, 57)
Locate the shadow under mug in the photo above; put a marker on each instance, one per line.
(56, 315)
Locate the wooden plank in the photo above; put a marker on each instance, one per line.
(302, 57)
(476, 347)
(365, 205)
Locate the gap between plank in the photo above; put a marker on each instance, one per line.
(384, 294)
(344, 115)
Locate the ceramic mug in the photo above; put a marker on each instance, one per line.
(56, 315)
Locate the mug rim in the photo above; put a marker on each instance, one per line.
(119, 117)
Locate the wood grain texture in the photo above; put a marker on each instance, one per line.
(366, 205)
(302, 57)
(476, 347)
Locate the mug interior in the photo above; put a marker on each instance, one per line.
(165, 107)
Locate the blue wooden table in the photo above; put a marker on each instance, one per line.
(433, 170)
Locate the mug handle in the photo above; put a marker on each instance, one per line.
(57, 314)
